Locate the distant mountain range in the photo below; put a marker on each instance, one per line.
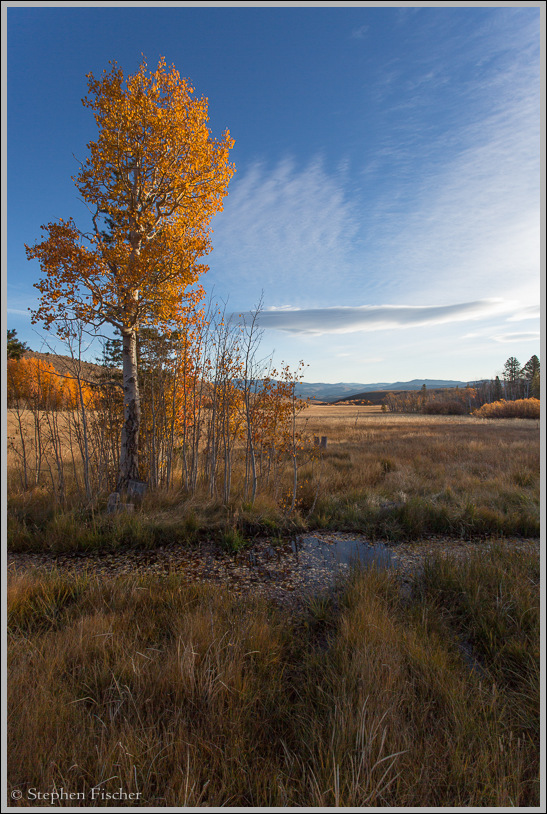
(322, 391)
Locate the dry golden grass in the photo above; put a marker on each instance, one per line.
(456, 474)
(389, 475)
(341, 410)
(350, 412)
(188, 697)
(61, 424)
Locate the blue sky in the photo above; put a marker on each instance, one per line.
(386, 200)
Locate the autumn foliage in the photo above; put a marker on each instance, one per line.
(520, 408)
(37, 382)
(194, 400)
(152, 181)
(213, 419)
(444, 402)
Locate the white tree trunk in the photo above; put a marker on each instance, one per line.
(129, 448)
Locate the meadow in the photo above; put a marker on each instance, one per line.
(399, 475)
(188, 695)
(392, 476)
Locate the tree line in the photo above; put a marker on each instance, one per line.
(517, 383)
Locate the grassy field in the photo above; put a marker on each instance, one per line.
(391, 476)
(397, 475)
(185, 696)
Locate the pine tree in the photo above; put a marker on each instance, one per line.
(512, 378)
(15, 347)
(497, 390)
(531, 373)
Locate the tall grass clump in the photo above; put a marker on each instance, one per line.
(493, 604)
(405, 720)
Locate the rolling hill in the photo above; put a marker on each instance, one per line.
(322, 391)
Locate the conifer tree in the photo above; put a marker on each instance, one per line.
(531, 374)
(512, 378)
(497, 390)
(15, 347)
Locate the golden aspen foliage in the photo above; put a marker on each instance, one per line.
(152, 181)
(35, 381)
(154, 178)
(520, 408)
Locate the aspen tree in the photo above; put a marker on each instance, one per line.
(152, 181)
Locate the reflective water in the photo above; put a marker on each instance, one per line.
(336, 551)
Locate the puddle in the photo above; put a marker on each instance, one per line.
(339, 551)
(310, 563)
(287, 571)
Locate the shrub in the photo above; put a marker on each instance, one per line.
(521, 408)
(446, 407)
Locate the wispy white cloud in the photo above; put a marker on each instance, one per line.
(529, 312)
(459, 204)
(284, 228)
(457, 213)
(529, 336)
(441, 215)
(346, 319)
(360, 33)
(473, 223)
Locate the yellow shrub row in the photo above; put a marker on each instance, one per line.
(521, 408)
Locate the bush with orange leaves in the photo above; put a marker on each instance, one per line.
(521, 408)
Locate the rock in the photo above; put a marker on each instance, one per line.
(113, 503)
(136, 489)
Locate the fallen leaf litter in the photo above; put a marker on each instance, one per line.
(287, 572)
